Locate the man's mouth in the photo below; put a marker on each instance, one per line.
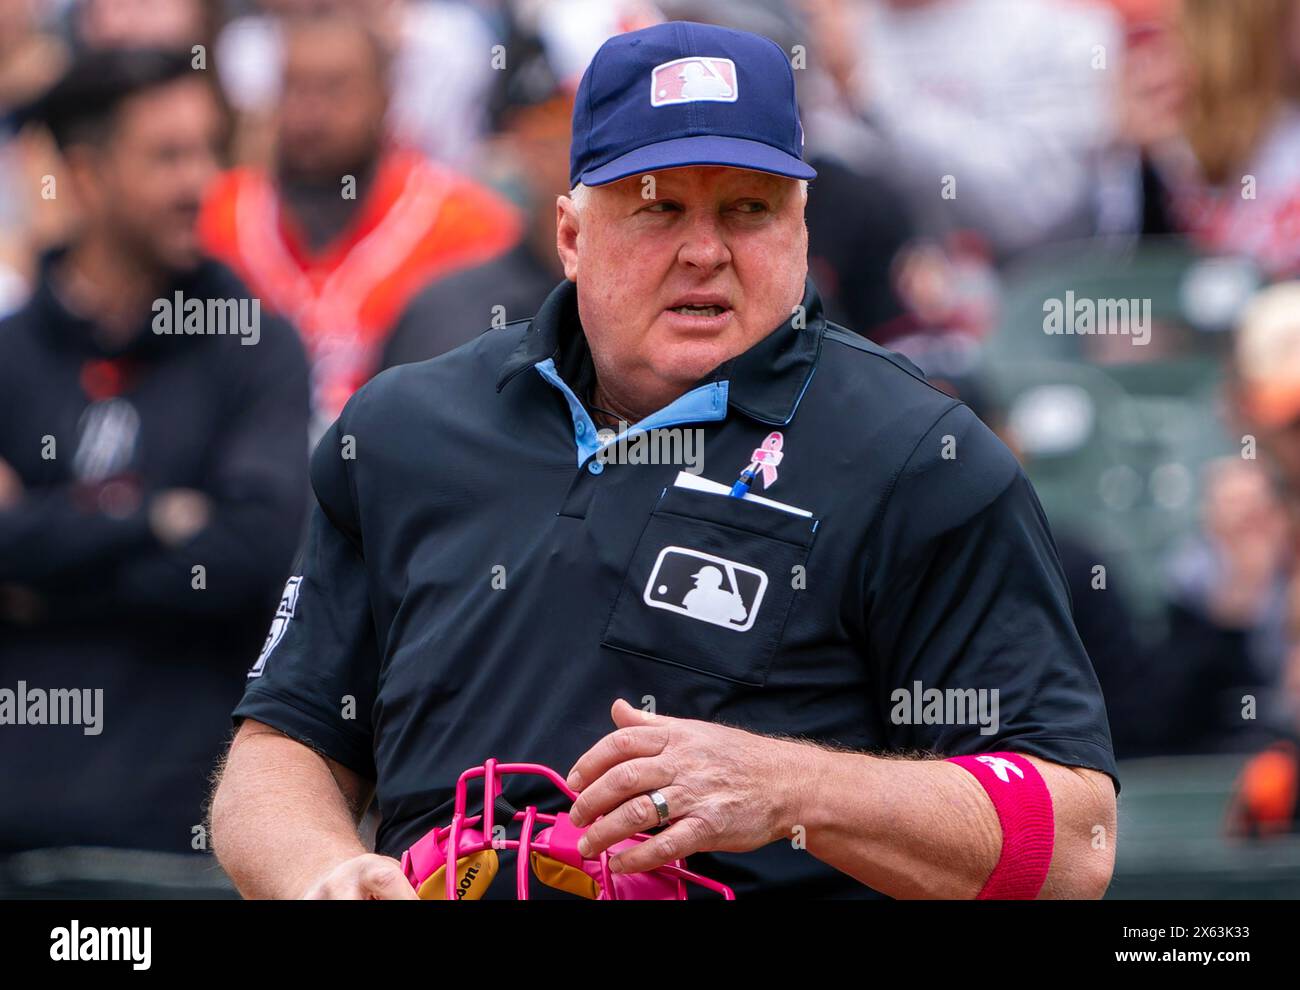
(699, 310)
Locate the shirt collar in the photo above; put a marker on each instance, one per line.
(71, 330)
(766, 382)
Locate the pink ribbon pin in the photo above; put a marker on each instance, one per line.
(767, 457)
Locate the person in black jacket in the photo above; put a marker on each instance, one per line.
(153, 442)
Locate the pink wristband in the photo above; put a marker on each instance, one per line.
(1024, 807)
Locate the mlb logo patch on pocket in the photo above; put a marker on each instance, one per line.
(688, 80)
(705, 587)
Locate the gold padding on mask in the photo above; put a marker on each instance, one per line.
(563, 877)
(474, 874)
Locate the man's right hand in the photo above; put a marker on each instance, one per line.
(363, 878)
(11, 486)
(177, 514)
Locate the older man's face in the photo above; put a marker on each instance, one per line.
(672, 286)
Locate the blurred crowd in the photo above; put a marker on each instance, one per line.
(379, 176)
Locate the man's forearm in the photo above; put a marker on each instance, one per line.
(279, 818)
(907, 828)
(926, 828)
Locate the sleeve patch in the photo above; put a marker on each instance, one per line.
(279, 625)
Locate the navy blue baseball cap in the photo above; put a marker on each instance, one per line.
(682, 93)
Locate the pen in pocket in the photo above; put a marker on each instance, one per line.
(766, 458)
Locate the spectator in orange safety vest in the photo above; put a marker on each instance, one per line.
(350, 226)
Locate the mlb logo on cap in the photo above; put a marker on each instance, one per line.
(717, 97)
(685, 80)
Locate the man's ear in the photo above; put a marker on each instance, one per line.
(84, 164)
(567, 221)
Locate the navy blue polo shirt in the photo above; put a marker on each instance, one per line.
(478, 582)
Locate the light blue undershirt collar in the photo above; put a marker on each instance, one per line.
(705, 404)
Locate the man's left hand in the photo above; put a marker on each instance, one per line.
(726, 789)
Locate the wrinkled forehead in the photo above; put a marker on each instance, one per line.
(702, 181)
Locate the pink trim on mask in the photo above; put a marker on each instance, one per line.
(1024, 807)
(557, 840)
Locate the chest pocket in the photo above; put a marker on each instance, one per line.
(711, 584)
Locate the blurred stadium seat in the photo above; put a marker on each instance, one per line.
(1114, 434)
(91, 873)
(1171, 836)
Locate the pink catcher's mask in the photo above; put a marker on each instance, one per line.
(547, 847)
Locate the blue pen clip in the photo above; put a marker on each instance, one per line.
(741, 488)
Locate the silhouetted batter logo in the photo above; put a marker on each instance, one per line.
(704, 587)
(688, 80)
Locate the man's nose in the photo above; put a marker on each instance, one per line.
(705, 247)
(201, 168)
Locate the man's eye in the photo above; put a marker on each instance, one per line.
(751, 206)
(662, 206)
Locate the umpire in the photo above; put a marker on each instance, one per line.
(844, 634)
